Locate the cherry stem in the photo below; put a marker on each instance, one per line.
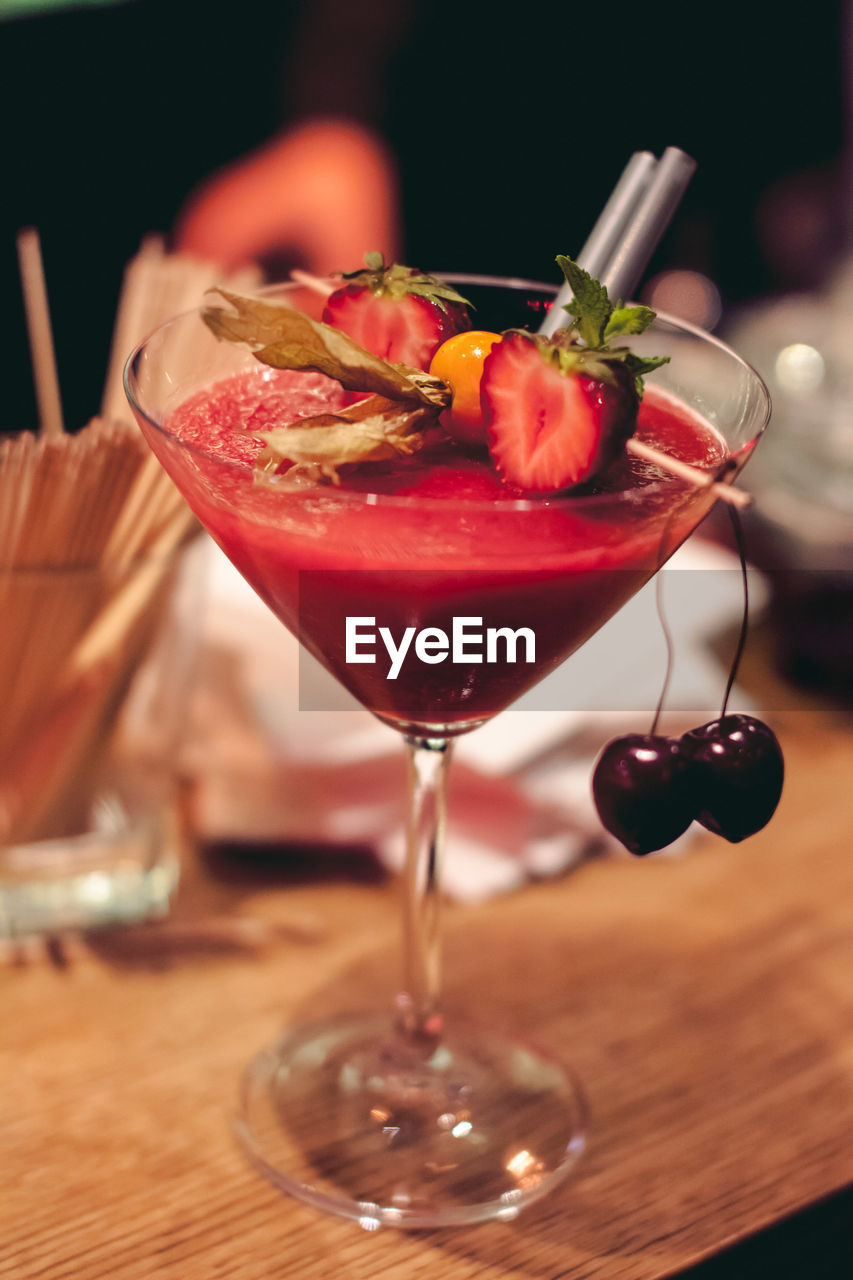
(667, 634)
(744, 626)
(670, 653)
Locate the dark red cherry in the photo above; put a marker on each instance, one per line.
(738, 772)
(643, 791)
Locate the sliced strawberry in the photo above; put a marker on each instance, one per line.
(396, 312)
(550, 426)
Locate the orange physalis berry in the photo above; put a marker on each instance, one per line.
(459, 363)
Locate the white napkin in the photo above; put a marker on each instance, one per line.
(520, 804)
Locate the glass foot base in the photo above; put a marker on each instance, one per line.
(360, 1121)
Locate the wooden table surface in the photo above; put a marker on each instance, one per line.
(706, 1001)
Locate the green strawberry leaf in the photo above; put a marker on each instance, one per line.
(395, 281)
(639, 366)
(603, 363)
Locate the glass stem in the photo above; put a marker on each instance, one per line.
(417, 1005)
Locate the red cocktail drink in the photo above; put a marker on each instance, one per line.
(396, 1120)
(441, 539)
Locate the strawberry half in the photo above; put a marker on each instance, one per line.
(558, 411)
(550, 426)
(396, 312)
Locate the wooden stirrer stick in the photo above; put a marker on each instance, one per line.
(684, 471)
(39, 332)
(315, 283)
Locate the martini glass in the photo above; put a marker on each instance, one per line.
(395, 1117)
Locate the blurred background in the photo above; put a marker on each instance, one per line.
(471, 141)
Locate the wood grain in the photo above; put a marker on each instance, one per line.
(706, 1001)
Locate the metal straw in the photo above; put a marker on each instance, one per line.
(614, 217)
(650, 220)
(630, 226)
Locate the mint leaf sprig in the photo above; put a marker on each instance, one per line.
(596, 320)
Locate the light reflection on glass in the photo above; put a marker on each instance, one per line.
(520, 1164)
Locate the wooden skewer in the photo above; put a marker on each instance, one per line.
(315, 283)
(157, 285)
(39, 331)
(684, 471)
(130, 323)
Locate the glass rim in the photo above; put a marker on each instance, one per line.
(370, 498)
